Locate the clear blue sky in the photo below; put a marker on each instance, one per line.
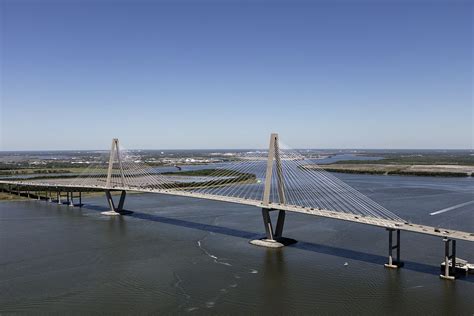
(224, 74)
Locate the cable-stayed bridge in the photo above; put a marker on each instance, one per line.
(280, 180)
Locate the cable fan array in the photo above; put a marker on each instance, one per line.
(302, 182)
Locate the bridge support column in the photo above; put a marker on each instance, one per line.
(59, 197)
(119, 209)
(393, 264)
(273, 238)
(267, 221)
(71, 200)
(449, 258)
(280, 224)
(80, 198)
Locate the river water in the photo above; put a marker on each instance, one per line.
(182, 255)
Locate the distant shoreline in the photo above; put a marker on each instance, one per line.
(399, 169)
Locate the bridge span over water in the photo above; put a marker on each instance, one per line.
(278, 180)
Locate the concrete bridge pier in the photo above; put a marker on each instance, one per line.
(393, 264)
(71, 199)
(115, 153)
(273, 237)
(59, 197)
(116, 210)
(447, 275)
(270, 233)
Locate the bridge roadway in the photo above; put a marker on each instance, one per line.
(389, 224)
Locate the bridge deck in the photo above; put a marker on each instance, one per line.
(390, 224)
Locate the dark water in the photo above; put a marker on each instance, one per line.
(181, 255)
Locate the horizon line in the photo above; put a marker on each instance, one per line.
(235, 149)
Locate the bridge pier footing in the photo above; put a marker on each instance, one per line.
(393, 264)
(71, 199)
(273, 238)
(78, 197)
(116, 210)
(449, 272)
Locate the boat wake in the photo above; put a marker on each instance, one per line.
(215, 258)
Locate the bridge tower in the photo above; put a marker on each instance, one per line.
(274, 238)
(112, 182)
(115, 152)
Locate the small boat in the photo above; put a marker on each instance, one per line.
(461, 264)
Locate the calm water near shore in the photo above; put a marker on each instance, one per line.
(181, 255)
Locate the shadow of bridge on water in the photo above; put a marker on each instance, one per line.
(303, 245)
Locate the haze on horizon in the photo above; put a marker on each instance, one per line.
(207, 74)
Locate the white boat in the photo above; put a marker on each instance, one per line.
(461, 264)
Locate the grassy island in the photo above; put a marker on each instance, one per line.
(406, 170)
(229, 177)
(206, 172)
(410, 163)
